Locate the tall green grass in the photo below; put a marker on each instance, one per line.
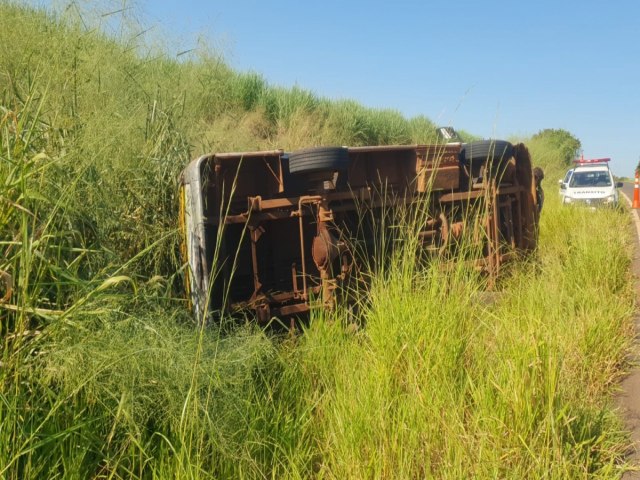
(450, 381)
(104, 375)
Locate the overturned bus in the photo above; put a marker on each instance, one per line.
(272, 231)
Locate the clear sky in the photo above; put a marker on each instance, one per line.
(495, 68)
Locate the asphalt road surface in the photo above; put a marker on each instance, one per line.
(627, 189)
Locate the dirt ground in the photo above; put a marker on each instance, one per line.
(628, 399)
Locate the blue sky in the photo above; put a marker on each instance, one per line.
(495, 68)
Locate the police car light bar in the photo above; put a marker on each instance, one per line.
(582, 160)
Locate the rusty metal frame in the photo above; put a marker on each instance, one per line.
(304, 261)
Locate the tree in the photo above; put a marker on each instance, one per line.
(562, 141)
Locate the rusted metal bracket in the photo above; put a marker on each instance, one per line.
(255, 232)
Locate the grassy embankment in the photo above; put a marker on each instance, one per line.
(103, 375)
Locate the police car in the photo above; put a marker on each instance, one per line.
(590, 182)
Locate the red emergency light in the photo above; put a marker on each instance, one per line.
(583, 160)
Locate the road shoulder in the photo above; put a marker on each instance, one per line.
(628, 400)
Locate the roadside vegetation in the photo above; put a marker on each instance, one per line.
(103, 373)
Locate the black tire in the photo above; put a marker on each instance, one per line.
(320, 159)
(480, 152)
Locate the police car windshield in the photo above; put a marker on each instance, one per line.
(590, 179)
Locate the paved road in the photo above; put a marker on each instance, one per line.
(627, 188)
